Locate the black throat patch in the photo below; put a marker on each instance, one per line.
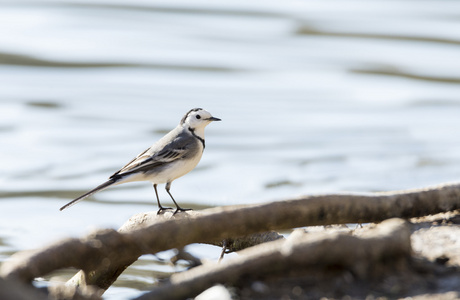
(199, 138)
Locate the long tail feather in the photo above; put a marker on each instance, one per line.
(97, 189)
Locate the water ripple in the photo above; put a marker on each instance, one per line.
(309, 30)
(396, 72)
(28, 60)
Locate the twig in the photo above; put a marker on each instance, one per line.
(224, 249)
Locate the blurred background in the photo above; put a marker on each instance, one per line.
(314, 97)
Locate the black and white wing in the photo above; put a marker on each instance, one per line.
(181, 147)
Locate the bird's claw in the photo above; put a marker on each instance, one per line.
(163, 208)
(180, 209)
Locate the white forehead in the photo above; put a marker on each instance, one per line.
(191, 115)
(202, 112)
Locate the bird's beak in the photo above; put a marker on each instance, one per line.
(213, 119)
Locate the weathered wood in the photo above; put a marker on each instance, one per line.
(300, 251)
(105, 254)
(142, 220)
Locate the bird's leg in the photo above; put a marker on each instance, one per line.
(158, 200)
(178, 208)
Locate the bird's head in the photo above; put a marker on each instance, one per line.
(197, 118)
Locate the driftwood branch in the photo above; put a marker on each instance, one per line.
(143, 220)
(105, 254)
(300, 252)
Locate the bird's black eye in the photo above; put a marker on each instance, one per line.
(198, 116)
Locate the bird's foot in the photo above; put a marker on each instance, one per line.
(162, 209)
(180, 209)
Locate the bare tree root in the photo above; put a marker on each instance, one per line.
(300, 251)
(104, 254)
(142, 220)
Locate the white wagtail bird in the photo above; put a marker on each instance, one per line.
(173, 156)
